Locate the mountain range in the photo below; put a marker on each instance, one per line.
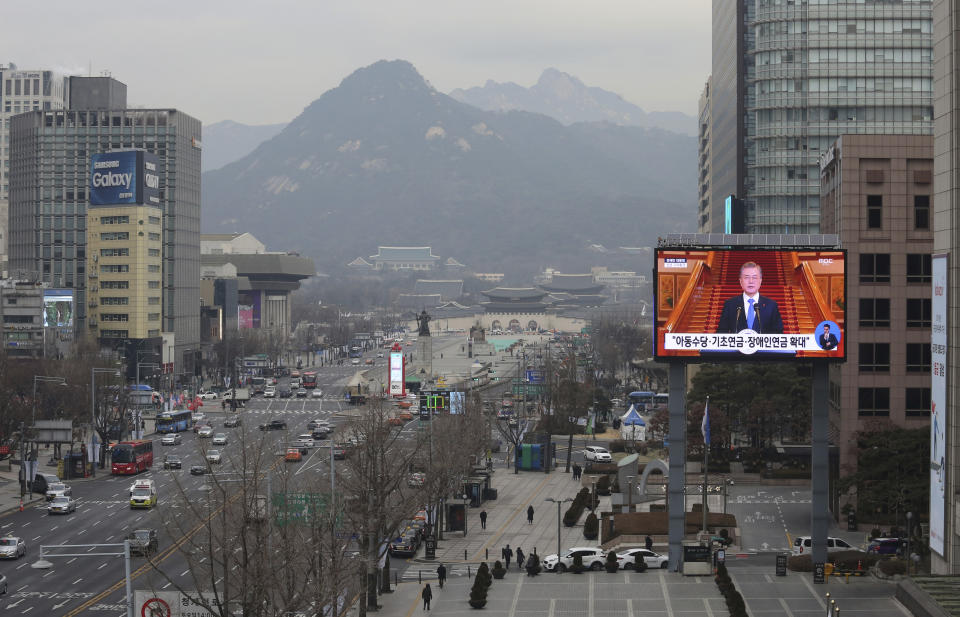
(227, 141)
(384, 159)
(567, 99)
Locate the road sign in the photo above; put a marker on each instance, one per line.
(781, 564)
(819, 573)
(297, 507)
(172, 603)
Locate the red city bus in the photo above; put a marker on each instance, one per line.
(309, 379)
(130, 457)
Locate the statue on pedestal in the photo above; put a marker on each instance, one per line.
(424, 320)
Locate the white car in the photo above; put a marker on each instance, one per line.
(58, 489)
(627, 558)
(270, 392)
(205, 431)
(171, 439)
(197, 417)
(213, 456)
(597, 454)
(12, 547)
(593, 559)
(802, 544)
(305, 441)
(220, 439)
(317, 393)
(208, 396)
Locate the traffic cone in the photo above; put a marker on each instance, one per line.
(859, 564)
(21, 504)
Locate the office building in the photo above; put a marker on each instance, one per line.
(50, 154)
(876, 195)
(704, 224)
(791, 77)
(945, 471)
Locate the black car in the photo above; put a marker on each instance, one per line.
(143, 542)
(274, 425)
(301, 392)
(231, 422)
(198, 470)
(319, 434)
(172, 461)
(285, 393)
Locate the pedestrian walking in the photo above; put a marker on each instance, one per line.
(441, 575)
(530, 515)
(648, 542)
(520, 558)
(483, 519)
(507, 554)
(427, 595)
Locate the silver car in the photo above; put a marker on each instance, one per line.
(12, 547)
(171, 439)
(213, 456)
(220, 439)
(62, 505)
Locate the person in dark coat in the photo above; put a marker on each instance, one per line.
(441, 574)
(648, 542)
(520, 558)
(427, 595)
(507, 554)
(530, 515)
(483, 519)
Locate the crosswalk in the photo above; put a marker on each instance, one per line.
(415, 574)
(307, 411)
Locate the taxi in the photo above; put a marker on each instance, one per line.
(143, 494)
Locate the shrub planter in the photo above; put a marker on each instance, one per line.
(478, 593)
(498, 570)
(639, 565)
(611, 564)
(533, 565)
(577, 566)
(591, 527)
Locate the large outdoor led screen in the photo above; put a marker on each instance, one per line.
(749, 304)
(58, 308)
(396, 373)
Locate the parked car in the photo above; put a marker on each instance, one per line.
(12, 547)
(597, 454)
(171, 439)
(58, 489)
(274, 425)
(802, 545)
(172, 461)
(220, 439)
(886, 546)
(627, 558)
(143, 542)
(62, 505)
(593, 559)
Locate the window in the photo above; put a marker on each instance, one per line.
(874, 357)
(114, 220)
(918, 357)
(11, 300)
(874, 401)
(114, 317)
(153, 300)
(115, 284)
(153, 284)
(18, 319)
(875, 211)
(874, 312)
(114, 333)
(153, 220)
(875, 268)
(153, 252)
(918, 402)
(153, 317)
(919, 268)
(115, 235)
(921, 212)
(918, 312)
(153, 236)
(114, 252)
(153, 268)
(108, 268)
(114, 301)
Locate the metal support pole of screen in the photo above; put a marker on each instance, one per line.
(676, 500)
(819, 463)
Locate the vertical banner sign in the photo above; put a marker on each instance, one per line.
(938, 402)
(396, 373)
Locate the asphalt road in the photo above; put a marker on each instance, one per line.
(94, 585)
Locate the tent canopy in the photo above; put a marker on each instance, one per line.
(632, 417)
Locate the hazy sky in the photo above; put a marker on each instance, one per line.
(262, 62)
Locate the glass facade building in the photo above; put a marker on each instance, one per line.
(49, 180)
(810, 71)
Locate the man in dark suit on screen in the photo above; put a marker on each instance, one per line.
(750, 310)
(827, 340)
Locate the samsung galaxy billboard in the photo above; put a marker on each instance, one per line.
(124, 177)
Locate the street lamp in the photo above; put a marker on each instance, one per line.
(93, 409)
(118, 550)
(558, 502)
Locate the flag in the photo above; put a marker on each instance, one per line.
(705, 425)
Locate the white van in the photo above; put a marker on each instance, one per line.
(802, 545)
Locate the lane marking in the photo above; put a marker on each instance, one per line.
(666, 596)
